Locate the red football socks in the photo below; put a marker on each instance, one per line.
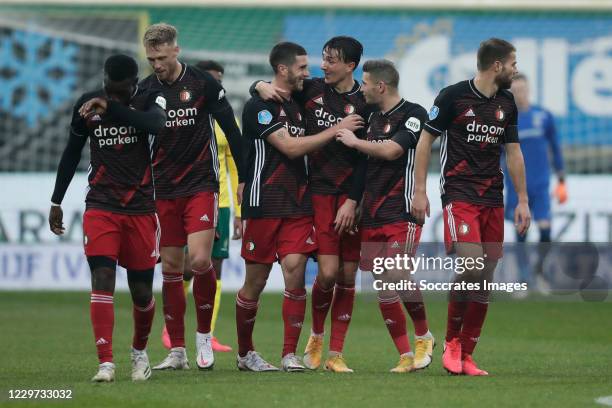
(174, 307)
(294, 309)
(204, 290)
(246, 312)
(103, 320)
(342, 311)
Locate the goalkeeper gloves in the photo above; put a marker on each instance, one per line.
(561, 192)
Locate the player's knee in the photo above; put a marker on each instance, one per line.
(141, 286)
(142, 296)
(200, 263)
(102, 273)
(324, 280)
(171, 265)
(253, 287)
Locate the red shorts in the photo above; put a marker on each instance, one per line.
(387, 241)
(330, 242)
(131, 240)
(266, 240)
(465, 222)
(182, 216)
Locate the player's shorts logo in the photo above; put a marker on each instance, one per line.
(299, 116)
(185, 95)
(464, 228)
(85, 239)
(387, 128)
(500, 114)
(433, 112)
(251, 246)
(349, 109)
(264, 117)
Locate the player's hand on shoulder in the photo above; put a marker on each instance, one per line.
(56, 217)
(351, 122)
(269, 92)
(347, 137)
(420, 207)
(92, 107)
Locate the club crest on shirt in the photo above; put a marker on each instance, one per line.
(349, 109)
(500, 114)
(85, 239)
(464, 228)
(264, 117)
(387, 128)
(185, 95)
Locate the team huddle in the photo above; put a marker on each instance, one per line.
(326, 167)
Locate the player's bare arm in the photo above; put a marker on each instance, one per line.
(389, 150)
(516, 168)
(420, 202)
(347, 216)
(294, 147)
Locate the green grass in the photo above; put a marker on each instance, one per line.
(538, 354)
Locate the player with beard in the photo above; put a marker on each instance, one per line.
(336, 175)
(475, 118)
(187, 186)
(277, 206)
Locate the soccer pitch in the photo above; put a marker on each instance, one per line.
(538, 354)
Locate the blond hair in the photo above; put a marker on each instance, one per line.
(160, 34)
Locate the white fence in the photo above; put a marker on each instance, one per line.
(31, 257)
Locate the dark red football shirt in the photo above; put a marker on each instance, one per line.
(331, 167)
(276, 186)
(186, 161)
(389, 184)
(473, 129)
(120, 172)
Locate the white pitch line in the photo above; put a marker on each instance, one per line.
(604, 400)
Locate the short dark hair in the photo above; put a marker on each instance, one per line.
(285, 53)
(491, 50)
(119, 67)
(210, 65)
(383, 70)
(348, 48)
